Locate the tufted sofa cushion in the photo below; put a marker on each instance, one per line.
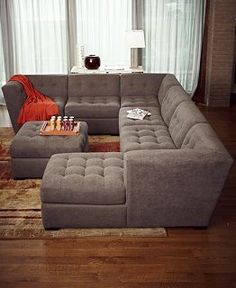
(174, 96)
(85, 107)
(154, 119)
(137, 101)
(168, 81)
(201, 137)
(84, 178)
(140, 85)
(54, 86)
(93, 85)
(184, 118)
(144, 137)
(93, 96)
(29, 144)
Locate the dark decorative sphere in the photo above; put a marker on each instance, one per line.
(92, 62)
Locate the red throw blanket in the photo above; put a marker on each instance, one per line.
(37, 106)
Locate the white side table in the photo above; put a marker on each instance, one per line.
(77, 70)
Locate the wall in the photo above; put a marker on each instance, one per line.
(220, 51)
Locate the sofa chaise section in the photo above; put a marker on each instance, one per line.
(178, 187)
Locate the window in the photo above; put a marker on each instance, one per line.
(43, 35)
(101, 26)
(39, 30)
(174, 32)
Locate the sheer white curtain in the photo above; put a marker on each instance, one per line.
(101, 26)
(38, 36)
(174, 32)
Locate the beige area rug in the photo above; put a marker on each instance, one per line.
(20, 209)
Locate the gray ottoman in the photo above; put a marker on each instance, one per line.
(84, 190)
(30, 151)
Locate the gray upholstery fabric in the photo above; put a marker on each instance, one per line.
(73, 216)
(154, 119)
(30, 152)
(141, 137)
(140, 84)
(174, 165)
(29, 144)
(168, 81)
(181, 186)
(174, 96)
(93, 107)
(139, 101)
(201, 137)
(184, 118)
(84, 178)
(54, 86)
(93, 85)
(102, 126)
(22, 168)
(93, 96)
(14, 98)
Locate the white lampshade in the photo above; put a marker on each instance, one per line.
(135, 39)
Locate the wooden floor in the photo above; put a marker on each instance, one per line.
(186, 258)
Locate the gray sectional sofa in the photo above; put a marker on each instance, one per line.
(171, 168)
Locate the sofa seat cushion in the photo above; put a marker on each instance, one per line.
(84, 178)
(154, 119)
(141, 137)
(28, 143)
(93, 107)
(140, 101)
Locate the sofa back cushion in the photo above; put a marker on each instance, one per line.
(184, 118)
(54, 86)
(201, 136)
(168, 81)
(140, 84)
(93, 85)
(174, 96)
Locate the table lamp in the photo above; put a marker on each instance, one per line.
(134, 40)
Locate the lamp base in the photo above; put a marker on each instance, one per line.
(134, 58)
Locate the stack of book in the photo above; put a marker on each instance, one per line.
(137, 114)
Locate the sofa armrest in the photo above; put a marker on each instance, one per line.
(178, 187)
(15, 97)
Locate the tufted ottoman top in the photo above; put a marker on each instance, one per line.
(84, 178)
(27, 143)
